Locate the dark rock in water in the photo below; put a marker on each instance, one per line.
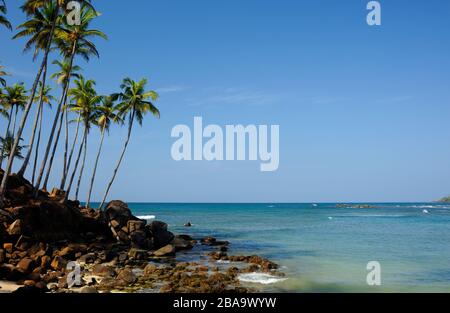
(161, 236)
(188, 224)
(182, 242)
(211, 241)
(168, 250)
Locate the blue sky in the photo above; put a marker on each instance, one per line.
(363, 111)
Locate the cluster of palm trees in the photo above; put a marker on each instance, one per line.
(48, 32)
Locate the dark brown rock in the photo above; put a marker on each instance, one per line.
(25, 266)
(161, 236)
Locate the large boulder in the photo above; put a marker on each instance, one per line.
(161, 236)
(165, 251)
(118, 211)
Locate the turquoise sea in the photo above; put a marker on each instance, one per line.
(326, 248)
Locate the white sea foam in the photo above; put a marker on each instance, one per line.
(260, 278)
(223, 261)
(146, 217)
(425, 212)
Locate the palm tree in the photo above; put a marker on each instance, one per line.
(136, 103)
(63, 76)
(31, 7)
(3, 20)
(44, 98)
(2, 73)
(6, 144)
(13, 99)
(73, 37)
(41, 32)
(4, 108)
(86, 101)
(106, 114)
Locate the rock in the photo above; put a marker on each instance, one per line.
(58, 264)
(67, 253)
(87, 258)
(2, 256)
(88, 289)
(6, 271)
(29, 283)
(211, 241)
(25, 266)
(135, 225)
(45, 261)
(103, 271)
(188, 224)
(118, 211)
(149, 269)
(167, 250)
(137, 254)
(140, 240)
(8, 247)
(161, 236)
(127, 276)
(114, 224)
(57, 193)
(180, 243)
(15, 228)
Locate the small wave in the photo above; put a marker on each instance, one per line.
(146, 217)
(260, 278)
(270, 206)
(223, 261)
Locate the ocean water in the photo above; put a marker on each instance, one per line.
(326, 248)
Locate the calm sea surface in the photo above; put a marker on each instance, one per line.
(322, 247)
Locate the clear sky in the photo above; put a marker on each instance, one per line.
(363, 111)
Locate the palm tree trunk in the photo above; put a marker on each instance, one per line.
(66, 141)
(36, 152)
(75, 167)
(6, 135)
(130, 127)
(25, 115)
(82, 168)
(95, 168)
(35, 126)
(52, 133)
(55, 146)
(69, 161)
(14, 121)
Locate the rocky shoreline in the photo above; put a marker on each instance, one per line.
(50, 246)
